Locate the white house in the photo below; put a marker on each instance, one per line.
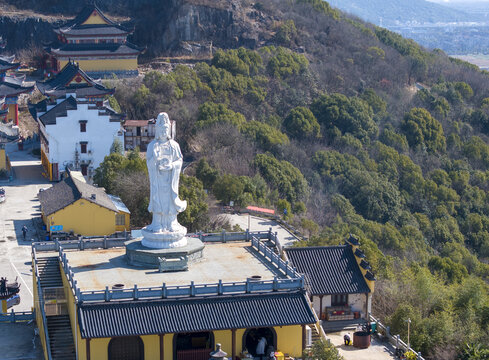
(76, 133)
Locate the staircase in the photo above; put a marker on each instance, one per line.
(314, 336)
(58, 326)
(61, 337)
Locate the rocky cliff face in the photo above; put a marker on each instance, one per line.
(162, 26)
(24, 32)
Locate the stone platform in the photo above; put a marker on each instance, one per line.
(172, 259)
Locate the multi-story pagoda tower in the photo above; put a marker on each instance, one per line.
(96, 43)
(10, 89)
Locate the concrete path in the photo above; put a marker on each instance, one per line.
(260, 224)
(377, 350)
(18, 342)
(20, 207)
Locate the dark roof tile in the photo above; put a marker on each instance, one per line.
(193, 314)
(329, 269)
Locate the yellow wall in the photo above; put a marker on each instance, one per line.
(123, 227)
(97, 19)
(105, 64)
(11, 112)
(289, 341)
(46, 165)
(3, 159)
(84, 218)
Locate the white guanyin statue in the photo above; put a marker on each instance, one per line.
(164, 161)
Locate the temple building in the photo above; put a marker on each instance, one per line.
(72, 79)
(76, 133)
(91, 303)
(96, 43)
(77, 127)
(11, 88)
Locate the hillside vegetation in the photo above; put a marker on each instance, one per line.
(352, 129)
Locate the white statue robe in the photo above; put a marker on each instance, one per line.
(164, 199)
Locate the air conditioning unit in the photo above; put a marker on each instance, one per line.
(89, 152)
(308, 336)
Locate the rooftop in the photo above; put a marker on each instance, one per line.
(229, 262)
(330, 269)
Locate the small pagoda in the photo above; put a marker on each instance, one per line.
(98, 44)
(11, 88)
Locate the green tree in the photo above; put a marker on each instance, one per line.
(349, 115)
(302, 124)
(421, 129)
(265, 135)
(117, 147)
(206, 174)
(228, 188)
(195, 217)
(210, 113)
(322, 350)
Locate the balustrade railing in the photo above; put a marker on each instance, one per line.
(293, 280)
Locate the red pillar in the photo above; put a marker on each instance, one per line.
(17, 114)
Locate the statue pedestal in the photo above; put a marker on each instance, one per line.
(164, 239)
(165, 259)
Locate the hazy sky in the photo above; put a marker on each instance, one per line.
(460, 1)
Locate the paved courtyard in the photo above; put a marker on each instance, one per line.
(260, 224)
(18, 210)
(377, 350)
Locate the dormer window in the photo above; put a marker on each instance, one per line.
(83, 125)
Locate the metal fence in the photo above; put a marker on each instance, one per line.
(20, 316)
(393, 339)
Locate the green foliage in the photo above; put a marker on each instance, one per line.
(284, 63)
(195, 215)
(211, 113)
(477, 151)
(322, 7)
(240, 61)
(322, 350)
(349, 115)
(114, 104)
(228, 188)
(448, 269)
(284, 208)
(377, 104)
(117, 147)
(422, 130)
(106, 173)
(394, 139)
(266, 136)
(283, 176)
(206, 174)
(286, 32)
(302, 124)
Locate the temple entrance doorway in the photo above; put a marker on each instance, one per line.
(252, 337)
(126, 348)
(193, 346)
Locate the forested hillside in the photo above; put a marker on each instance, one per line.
(352, 129)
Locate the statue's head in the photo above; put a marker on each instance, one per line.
(163, 127)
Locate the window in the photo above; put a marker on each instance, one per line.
(83, 147)
(120, 219)
(83, 126)
(339, 299)
(84, 169)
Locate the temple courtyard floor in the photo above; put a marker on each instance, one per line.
(377, 351)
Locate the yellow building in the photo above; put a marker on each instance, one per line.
(96, 43)
(72, 205)
(238, 294)
(4, 161)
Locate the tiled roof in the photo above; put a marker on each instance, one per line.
(96, 49)
(95, 29)
(136, 122)
(193, 314)
(6, 63)
(70, 190)
(61, 109)
(84, 15)
(57, 86)
(330, 269)
(11, 86)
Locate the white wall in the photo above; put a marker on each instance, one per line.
(357, 302)
(65, 137)
(316, 303)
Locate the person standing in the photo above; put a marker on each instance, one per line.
(24, 231)
(260, 348)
